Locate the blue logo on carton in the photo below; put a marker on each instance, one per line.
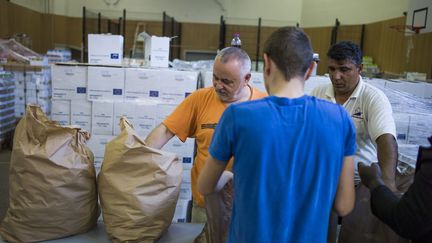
(187, 160)
(401, 136)
(114, 56)
(81, 90)
(154, 93)
(117, 91)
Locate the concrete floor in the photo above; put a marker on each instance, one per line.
(4, 181)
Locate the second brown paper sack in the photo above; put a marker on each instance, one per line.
(138, 188)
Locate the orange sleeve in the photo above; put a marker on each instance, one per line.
(182, 121)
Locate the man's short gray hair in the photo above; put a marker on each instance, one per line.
(236, 53)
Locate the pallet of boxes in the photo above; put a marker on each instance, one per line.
(93, 146)
(412, 111)
(7, 109)
(24, 79)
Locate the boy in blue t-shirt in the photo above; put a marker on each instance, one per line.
(292, 153)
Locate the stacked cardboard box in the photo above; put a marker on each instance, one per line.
(95, 97)
(7, 105)
(412, 111)
(32, 85)
(59, 55)
(418, 89)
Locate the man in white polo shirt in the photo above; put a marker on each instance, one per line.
(371, 113)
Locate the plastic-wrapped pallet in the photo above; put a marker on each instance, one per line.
(32, 86)
(7, 104)
(412, 114)
(407, 158)
(38, 89)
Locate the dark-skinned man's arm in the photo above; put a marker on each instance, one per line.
(387, 153)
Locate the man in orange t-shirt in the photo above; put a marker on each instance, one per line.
(198, 115)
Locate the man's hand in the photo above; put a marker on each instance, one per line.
(370, 175)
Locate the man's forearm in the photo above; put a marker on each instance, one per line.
(210, 176)
(387, 158)
(158, 137)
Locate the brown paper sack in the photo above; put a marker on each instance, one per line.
(53, 190)
(218, 211)
(138, 188)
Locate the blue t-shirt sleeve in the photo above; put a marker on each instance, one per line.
(222, 140)
(350, 134)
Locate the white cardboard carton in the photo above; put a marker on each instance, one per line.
(105, 83)
(81, 114)
(19, 95)
(105, 49)
(185, 151)
(145, 119)
(207, 77)
(45, 105)
(142, 84)
(419, 89)
(185, 191)
(127, 109)
(379, 83)
(102, 118)
(161, 86)
(163, 111)
(69, 82)
(97, 146)
(186, 176)
(402, 121)
(157, 51)
(30, 96)
(175, 86)
(20, 109)
(37, 81)
(33, 96)
(419, 129)
(257, 81)
(61, 110)
(19, 79)
(181, 210)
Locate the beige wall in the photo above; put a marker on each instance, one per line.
(388, 47)
(35, 5)
(309, 13)
(246, 12)
(316, 13)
